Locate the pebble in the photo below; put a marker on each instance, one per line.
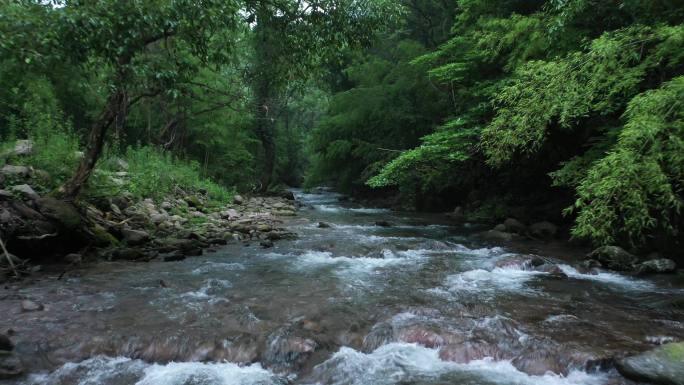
(28, 305)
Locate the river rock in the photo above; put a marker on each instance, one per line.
(323, 225)
(28, 305)
(543, 230)
(73, 258)
(457, 214)
(158, 218)
(135, 237)
(497, 236)
(514, 226)
(230, 214)
(25, 190)
(383, 224)
(127, 254)
(614, 257)
(285, 213)
(421, 336)
(64, 213)
(656, 266)
(5, 343)
(238, 200)
(283, 349)
(500, 227)
(470, 351)
(10, 366)
(539, 362)
(21, 147)
(193, 201)
(662, 365)
(264, 228)
(178, 256)
(266, 244)
(193, 252)
(15, 171)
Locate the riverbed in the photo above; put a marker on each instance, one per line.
(370, 296)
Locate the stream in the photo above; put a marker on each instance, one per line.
(420, 302)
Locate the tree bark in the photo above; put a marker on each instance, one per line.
(114, 108)
(265, 133)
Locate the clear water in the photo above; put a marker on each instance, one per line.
(420, 302)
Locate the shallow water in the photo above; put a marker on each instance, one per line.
(421, 302)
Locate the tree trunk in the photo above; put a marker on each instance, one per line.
(264, 132)
(114, 108)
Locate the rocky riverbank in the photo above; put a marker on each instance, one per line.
(607, 257)
(41, 229)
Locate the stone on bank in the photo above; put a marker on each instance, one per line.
(662, 365)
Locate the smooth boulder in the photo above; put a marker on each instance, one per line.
(10, 366)
(514, 226)
(5, 343)
(662, 365)
(614, 258)
(135, 237)
(25, 190)
(9, 170)
(656, 266)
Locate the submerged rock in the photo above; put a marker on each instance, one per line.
(323, 225)
(28, 305)
(287, 350)
(614, 258)
(10, 366)
(662, 365)
(383, 224)
(5, 343)
(539, 362)
(656, 266)
(471, 351)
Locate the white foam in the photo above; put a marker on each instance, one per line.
(370, 210)
(332, 208)
(610, 278)
(103, 370)
(397, 362)
(481, 252)
(94, 371)
(379, 239)
(356, 265)
(209, 267)
(209, 289)
(196, 373)
(328, 208)
(560, 318)
(496, 280)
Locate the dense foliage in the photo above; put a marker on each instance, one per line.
(566, 110)
(546, 100)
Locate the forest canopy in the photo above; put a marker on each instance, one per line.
(502, 108)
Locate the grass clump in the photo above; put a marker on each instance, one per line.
(152, 173)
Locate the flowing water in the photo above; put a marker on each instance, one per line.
(420, 302)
